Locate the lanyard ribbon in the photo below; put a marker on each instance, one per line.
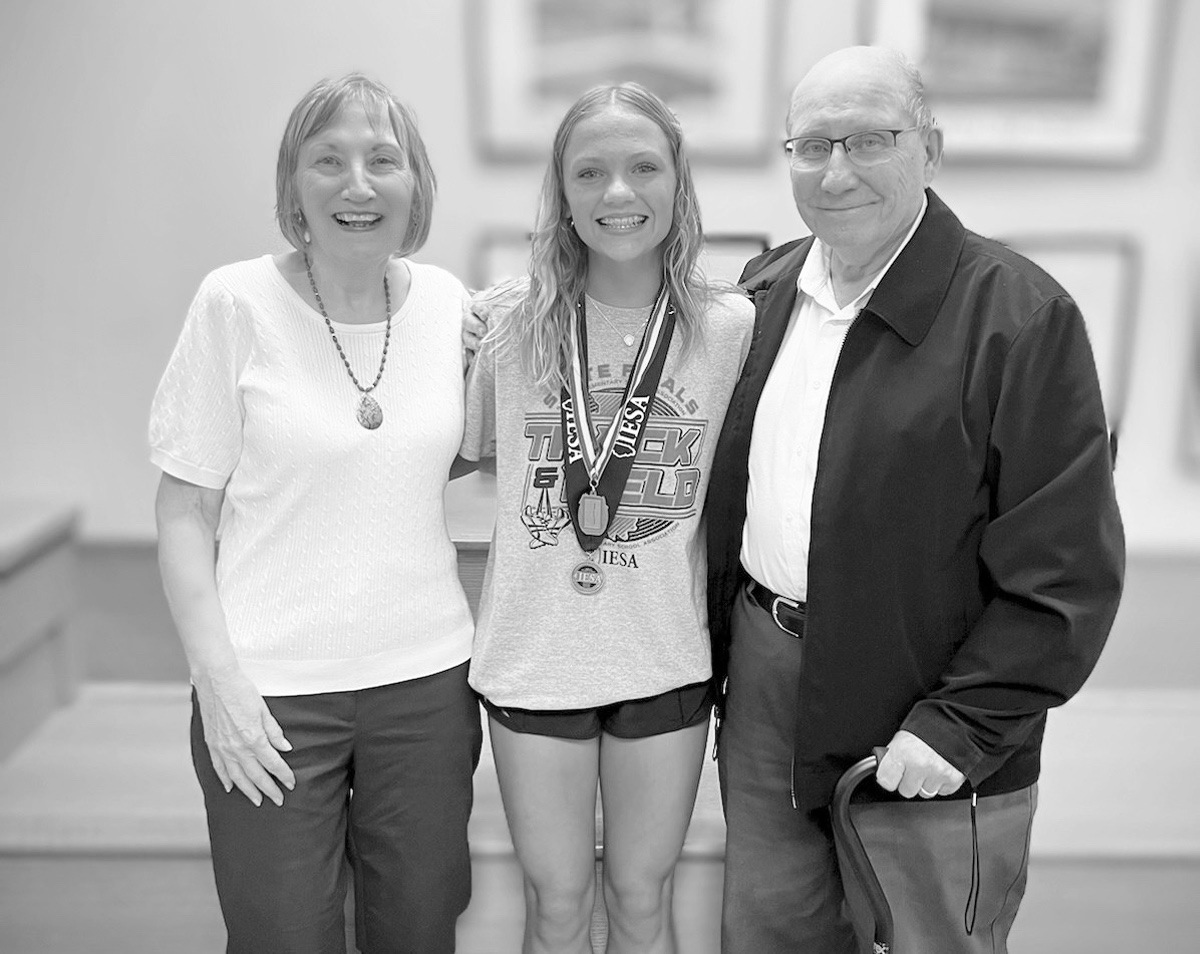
(596, 473)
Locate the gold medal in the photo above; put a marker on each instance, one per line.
(587, 578)
(593, 514)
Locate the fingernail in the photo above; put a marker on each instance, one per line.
(228, 789)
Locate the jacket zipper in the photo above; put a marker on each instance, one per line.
(824, 435)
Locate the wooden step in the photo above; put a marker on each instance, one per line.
(112, 772)
(103, 844)
(102, 804)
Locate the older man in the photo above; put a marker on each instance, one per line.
(914, 539)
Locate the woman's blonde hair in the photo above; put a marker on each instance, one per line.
(319, 108)
(539, 327)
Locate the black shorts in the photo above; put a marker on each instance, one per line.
(632, 719)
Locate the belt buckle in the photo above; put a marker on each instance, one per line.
(794, 604)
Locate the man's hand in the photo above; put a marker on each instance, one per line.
(911, 767)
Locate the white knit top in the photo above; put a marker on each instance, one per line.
(335, 569)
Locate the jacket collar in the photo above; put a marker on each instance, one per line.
(909, 295)
(775, 266)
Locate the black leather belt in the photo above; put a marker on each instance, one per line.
(789, 615)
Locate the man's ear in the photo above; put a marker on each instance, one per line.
(933, 153)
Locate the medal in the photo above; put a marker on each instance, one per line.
(587, 578)
(597, 461)
(370, 414)
(593, 514)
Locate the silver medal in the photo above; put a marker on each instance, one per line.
(587, 578)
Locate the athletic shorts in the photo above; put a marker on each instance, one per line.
(631, 719)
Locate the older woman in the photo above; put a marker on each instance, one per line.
(307, 421)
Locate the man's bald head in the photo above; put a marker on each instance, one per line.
(876, 70)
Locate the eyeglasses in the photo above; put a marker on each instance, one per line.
(867, 148)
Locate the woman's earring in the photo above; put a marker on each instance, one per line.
(303, 226)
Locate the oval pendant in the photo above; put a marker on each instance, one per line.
(370, 414)
(629, 341)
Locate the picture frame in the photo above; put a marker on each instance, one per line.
(500, 254)
(1102, 273)
(713, 61)
(1051, 81)
(726, 254)
(1189, 442)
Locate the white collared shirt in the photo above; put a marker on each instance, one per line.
(789, 422)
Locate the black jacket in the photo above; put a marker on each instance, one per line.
(967, 554)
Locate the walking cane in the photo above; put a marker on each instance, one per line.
(858, 863)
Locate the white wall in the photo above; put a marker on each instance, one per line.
(139, 146)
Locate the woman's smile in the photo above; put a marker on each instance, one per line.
(622, 223)
(357, 221)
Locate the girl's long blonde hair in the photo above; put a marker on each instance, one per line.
(538, 327)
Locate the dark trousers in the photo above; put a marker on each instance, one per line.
(383, 776)
(783, 885)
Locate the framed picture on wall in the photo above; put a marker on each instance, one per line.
(726, 254)
(500, 254)
(1076, 81)
(713, 61)
(1102, 273)
(1190, 421)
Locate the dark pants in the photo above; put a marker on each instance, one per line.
(783, 885)
(383, 775)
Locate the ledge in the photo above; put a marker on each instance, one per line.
(28, 528)
(471, 510)
(111, 774)
(1119, 779)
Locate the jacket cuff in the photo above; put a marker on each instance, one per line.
(930, 723)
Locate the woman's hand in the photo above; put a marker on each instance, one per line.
(474, 327)
(483, 309)
(243, 738)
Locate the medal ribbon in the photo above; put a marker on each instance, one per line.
(604, 467)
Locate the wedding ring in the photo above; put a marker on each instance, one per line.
(925, 794)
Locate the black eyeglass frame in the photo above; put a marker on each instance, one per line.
(789, 151)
